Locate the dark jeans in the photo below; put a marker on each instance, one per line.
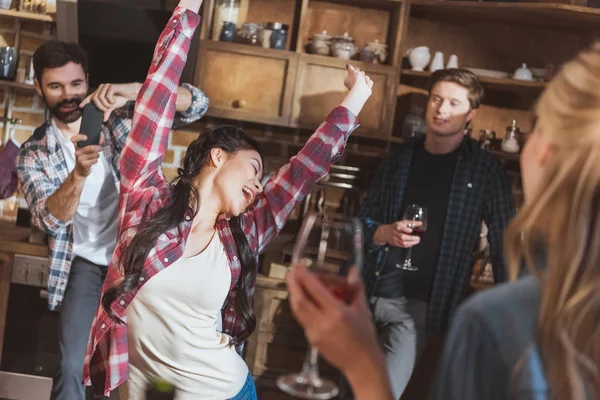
(77, 312)
(401, 329)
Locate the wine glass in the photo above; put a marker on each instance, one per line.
(417, 216)
(329, 245)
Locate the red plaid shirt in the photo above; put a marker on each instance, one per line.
(144, 191)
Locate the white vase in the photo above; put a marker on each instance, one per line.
(452, 61)
(419, 58)
(438, 62)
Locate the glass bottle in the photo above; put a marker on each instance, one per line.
(510, 144)
(225, 11)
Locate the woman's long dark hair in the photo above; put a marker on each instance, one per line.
(185, 195)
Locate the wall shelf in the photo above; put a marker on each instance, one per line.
(27, 16)
(546, 15)
(17, 85)
(507, 83)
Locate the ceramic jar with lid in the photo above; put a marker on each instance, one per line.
(343, 47)
(320, 44)
(374, 52)
(523, 73)
(278, 38)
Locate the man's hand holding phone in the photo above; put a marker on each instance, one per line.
(85, 157)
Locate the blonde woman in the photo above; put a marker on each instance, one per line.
(539, 337)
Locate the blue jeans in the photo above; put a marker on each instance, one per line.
(77, 311)
(248, 392)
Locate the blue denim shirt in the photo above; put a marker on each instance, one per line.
(491, 352)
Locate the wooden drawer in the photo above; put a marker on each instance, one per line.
(246, 82)
(275, 314)
(276, 355)
(320, 88)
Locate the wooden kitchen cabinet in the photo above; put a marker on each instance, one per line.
(320, 88)
(278, 345)
(247, 83)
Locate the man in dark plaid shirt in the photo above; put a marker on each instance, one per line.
(461, 186)
(73, 193)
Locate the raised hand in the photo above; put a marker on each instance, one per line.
(108, 97)
(86, 156)
(357, 79)
(360, 86)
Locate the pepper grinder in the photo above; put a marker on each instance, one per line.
(510, 144)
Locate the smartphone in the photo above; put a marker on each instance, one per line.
(91, 125)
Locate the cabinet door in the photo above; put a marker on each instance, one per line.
(246, 82)
(320, 88)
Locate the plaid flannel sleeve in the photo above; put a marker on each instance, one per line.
(292, 182)
(371, 212)
(120, 120)
(498, 210)
(37, 187)
(154, 110)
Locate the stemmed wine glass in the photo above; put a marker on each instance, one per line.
(417, 216)
(329, 245)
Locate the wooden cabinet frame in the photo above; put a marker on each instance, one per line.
(291, 60)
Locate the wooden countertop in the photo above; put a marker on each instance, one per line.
(13, 239)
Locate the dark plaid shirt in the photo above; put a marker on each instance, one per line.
(480, 191)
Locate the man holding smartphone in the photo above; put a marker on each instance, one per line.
(72, 191)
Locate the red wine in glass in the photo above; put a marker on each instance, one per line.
(338, 285)
(418, 215)
(328, 244)
(418, 230)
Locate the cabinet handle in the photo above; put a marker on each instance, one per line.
(239, 104)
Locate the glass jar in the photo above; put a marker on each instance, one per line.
(225, 11)
(250, 33)
(35, 6)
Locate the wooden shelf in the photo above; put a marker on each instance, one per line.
(505, 156)
(544, 15)
(16, 85)
(27, 16)
(506, 84)
(334, 61)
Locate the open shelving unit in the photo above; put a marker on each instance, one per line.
(489, 35)
(27, 16)
(10, 87)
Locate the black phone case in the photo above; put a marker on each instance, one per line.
(91, 125)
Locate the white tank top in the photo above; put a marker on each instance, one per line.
(172, 331)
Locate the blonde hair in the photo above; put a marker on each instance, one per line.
(563, 218)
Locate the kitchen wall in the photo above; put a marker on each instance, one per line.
(23, 105)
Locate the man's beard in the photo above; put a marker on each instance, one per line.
(66, 117)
